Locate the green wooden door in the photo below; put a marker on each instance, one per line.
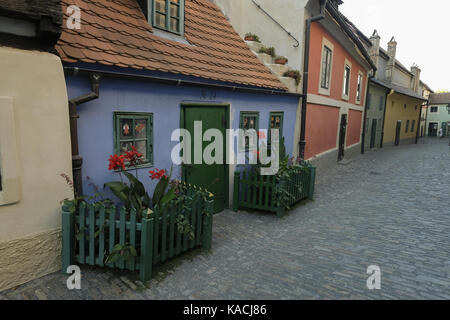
(212, 177)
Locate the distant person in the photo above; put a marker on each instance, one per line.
(441, 133)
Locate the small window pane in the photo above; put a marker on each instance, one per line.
(161, 6)
(175, 24)
(140, 129)
(141, 147)
(126, 131)
(160, 20)
(174, 10)
(125, 147)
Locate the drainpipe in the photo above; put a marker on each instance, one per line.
(418, 124)
(309, 21)
(384, 115)
(77, 160)
(363, 143)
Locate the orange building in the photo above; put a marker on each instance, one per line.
(339, 68)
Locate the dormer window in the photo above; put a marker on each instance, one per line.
(167, 15)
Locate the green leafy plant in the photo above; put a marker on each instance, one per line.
(126, 251)
(295, 74)
(270, 51)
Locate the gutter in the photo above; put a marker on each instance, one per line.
(418, 124)
(77, 160)
(309, 21)
(176, 82)
(366, 106)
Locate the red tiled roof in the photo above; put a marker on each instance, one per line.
(117, 33)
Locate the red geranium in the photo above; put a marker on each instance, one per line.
(157, 174)
(116, 162)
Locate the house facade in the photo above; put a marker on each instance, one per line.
(318, 41)
(148, 73)
(34, 141)
(403, 93)
(438, 115)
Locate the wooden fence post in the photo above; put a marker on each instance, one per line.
(68, 238)
(146, 262)
(237, 176)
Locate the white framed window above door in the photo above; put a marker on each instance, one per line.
(326, 67)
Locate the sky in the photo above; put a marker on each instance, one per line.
(421, 29)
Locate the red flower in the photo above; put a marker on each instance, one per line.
(157, 174)
(116, 162)
(134, 157)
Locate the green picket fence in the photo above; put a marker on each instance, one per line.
(156, 239)
(254, 191)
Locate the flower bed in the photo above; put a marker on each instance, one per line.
(276, 193)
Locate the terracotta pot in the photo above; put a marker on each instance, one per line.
(281, 61)
(249, 38)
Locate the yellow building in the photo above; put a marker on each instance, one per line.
(402, 118)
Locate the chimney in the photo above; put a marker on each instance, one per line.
(390, 66)
(374, 50)
(415, 70)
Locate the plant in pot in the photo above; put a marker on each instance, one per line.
(270, 51)
(251, 37)
(295, 74)
(281, 60)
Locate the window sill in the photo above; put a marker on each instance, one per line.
(325, 92)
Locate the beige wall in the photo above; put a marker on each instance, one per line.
(34, 151)
(245, 17)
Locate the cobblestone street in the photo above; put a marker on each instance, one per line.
(389, 208)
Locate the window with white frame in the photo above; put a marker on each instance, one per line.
(434, 109)
(359, 87)
(346, 83)
(326, 68)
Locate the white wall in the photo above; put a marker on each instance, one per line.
(245, 17)
(34, 151)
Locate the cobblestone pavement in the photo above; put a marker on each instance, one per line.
(389, 208)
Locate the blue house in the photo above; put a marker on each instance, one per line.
(136, 71)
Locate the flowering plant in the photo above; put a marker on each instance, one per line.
(133, 193)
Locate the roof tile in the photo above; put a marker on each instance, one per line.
(118, 34)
